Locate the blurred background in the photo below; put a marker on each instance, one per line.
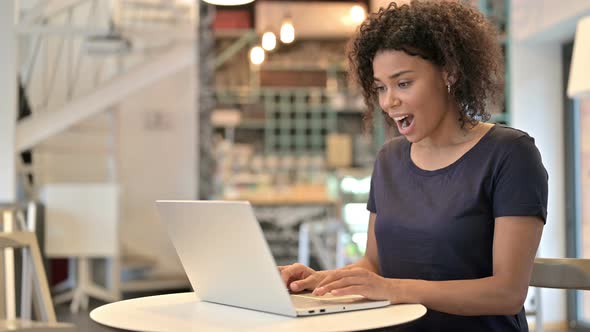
(110, 105)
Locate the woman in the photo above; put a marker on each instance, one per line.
(457, 205)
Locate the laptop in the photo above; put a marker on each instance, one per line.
(227, 260)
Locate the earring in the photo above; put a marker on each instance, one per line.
(449, 88)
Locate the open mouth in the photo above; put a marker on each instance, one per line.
(404, 121)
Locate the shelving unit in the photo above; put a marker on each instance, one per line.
(295, 121)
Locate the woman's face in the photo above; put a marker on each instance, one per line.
(413, 92)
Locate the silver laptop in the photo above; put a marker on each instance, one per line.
(227, 260)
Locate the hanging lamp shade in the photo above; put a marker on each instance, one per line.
(257, 55)
(579, 80)
(228, 2)
(269, 41)
(287, 32)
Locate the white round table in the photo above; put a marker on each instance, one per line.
(185, 312)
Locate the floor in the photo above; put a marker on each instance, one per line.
(82, 318)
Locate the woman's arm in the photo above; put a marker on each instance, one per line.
(298, 277)
(515, 243)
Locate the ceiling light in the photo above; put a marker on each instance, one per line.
(228, 2)
(357, 14)
(257, 55)
(287, 31)
(269, 41)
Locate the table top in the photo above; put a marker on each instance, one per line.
(185, 312)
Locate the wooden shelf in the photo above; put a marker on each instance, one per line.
(296, 195)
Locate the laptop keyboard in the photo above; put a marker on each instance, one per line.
(306, 302)
(310, 301)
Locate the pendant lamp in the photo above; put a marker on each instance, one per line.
(579, 80)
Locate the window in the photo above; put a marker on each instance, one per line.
(577, 140)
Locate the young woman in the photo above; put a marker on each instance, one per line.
(457, 205)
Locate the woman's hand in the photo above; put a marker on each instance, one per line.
(298, 277)
(357, 281)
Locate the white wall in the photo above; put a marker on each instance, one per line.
(546, 20)
(156, 160)
(8, 104)
(538, 29)
(537, 109)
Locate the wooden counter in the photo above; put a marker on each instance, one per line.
(295, 195)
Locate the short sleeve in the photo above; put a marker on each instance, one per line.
(371, 202)
(521, 182)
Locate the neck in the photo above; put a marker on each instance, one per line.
(449, 133)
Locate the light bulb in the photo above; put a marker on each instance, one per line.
(269, 41)
(257, 55)
(287, 32)
(357, 13)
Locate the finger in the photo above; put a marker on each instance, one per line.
(330, 277)
(295, 272)
(283, 277)
(337, 284)
(336, 275)
(307, 283)
(353, 290)
(287, 273)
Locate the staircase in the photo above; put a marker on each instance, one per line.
(81, 58)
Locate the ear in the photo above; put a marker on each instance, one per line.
(449, 76)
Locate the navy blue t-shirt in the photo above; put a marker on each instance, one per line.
(439, 225)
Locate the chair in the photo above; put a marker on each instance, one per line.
(32, 263)
(561, 273)
(326, 241)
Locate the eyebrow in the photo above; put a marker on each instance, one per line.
(396, 75)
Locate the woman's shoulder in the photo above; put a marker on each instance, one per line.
(503, 133)
(506, 138)
(395, 146)
(507, 143)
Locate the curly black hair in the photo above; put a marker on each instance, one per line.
(455, 37)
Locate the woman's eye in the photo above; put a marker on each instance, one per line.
(379, 88)
(404, 84)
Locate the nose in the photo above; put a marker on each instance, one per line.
(389, 102)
